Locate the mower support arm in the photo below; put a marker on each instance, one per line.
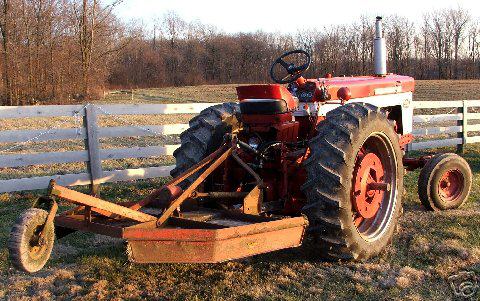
(188, 192)
(93, 202)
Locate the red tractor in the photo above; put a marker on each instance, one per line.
(322, 155)
(329, 148)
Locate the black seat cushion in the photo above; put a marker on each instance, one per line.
(263, 106)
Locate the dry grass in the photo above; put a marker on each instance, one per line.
(425, 90)
(429, 90)
(427, 248)
(205, 93)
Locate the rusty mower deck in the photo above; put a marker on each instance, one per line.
(166, 235)
(221, 236)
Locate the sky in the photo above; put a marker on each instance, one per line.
(280, 15)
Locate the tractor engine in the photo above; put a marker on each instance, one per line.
(273, 143)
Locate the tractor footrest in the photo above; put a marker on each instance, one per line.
(222, 237)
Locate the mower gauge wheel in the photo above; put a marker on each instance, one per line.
(444, 182)
(27, 251)
(293, 71)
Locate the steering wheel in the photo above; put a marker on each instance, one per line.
(294, 72)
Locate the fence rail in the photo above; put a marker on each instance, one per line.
(90, 132)
(427, 128)
(116, 109)
(465, 130)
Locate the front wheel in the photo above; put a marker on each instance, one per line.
(354, 183)
(444, 182)
(27, 251)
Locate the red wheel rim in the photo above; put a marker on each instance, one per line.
(373, 194)
(450, 185)
(366, 201)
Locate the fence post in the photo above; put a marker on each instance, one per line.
(460, 134)
(92, 145)
(464, 123)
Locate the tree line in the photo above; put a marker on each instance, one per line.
(75, 49)
(56, 49)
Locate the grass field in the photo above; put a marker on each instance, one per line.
(427, 249)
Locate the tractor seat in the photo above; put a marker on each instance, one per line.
(263, 106)
(265, 99)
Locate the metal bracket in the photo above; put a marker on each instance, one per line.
(252, 203)
(49, 221)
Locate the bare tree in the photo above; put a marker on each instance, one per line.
(459, 18)
(439, 27)
(173, 27)
(425, 39)
(399, 33)
(474, 46)
(90, 16)
(86, 17)
(5, 32)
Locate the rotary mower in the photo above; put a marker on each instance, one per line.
(318, 158)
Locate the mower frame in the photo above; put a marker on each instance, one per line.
(205, 236)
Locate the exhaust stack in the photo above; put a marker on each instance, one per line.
(380, 49)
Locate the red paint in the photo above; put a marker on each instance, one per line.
(405, 140)
(296, 178)
(179, 245)
(366, 200)
(304, 127)
(301, 81)
(287, 132)
(282, 124)
(415, 163)
(362, 86)
(451, 185)
(266, 92)
(344, 94)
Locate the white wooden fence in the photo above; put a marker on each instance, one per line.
(432, 131)
(90, 133)
(425, 126)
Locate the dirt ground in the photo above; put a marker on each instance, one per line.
(428, 247)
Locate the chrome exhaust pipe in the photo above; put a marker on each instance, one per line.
(380, 49)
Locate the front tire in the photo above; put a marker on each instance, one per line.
(26, 252)
(355, 152)
(444, 182)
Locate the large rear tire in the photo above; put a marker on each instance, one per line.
(356, 149)
(203, 137)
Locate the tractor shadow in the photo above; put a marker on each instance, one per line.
(473, 160)
(306, 253)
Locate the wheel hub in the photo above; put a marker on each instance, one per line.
(450, 185)
(36, 245)
(369, 187)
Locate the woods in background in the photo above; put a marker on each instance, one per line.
(56, 49)
(75, 49)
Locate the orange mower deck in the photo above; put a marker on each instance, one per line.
(223, 236)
